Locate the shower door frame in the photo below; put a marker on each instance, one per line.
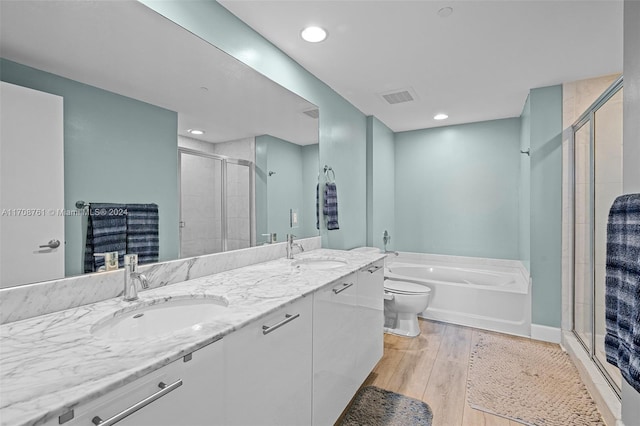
(224, 160)
(587, 118)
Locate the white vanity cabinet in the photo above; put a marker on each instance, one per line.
(299, 365)
(197, 401)
(268, 369)
(370, 307)
(335, 349)
(348, 322)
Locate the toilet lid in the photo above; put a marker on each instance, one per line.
(405, 287)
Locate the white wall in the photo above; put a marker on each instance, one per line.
(631, 150)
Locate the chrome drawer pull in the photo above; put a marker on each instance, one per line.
(343, 288)
(374, 268)
(287, 318)
(164, 389)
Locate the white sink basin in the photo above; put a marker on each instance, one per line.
(160, 317)
(319, 263)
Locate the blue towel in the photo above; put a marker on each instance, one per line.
(622, 291)
(330, 209)
(318, 206)
(142, 232)
(106, 231)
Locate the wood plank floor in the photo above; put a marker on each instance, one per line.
(433, 367)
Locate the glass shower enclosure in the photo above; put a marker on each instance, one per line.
(597, 181)
(216, 203)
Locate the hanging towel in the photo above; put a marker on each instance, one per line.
(622, 291)
(318, 206)
(330, 209)
(142, 232)
(106, 231)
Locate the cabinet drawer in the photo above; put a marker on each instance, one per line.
(171, 395)
(334, 349)
(268, 369)
(370, 318)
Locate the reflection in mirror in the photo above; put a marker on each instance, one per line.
(286, 171)
(132, 84)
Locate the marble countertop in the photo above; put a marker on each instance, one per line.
(52, 363)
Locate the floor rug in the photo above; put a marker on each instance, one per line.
(373, 406)
(530, 382)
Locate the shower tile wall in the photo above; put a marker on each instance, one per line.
(238, 214)
(201, 208)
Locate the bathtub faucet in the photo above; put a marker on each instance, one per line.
(385, 239)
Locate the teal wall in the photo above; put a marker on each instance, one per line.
(116, 149)
(546, 204)
(380, 183)
(524, 233)
(291, 186)
(309, 182)
(342, 127)
(456, 189)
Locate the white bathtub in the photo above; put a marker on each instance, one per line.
(491, 294)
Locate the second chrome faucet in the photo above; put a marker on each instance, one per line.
(291, 246)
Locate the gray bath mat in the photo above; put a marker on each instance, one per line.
(530, 382)
(373, 406)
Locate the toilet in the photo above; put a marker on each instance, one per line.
(403, 301)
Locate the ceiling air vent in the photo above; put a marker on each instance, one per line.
(313, 113)
(399, 96)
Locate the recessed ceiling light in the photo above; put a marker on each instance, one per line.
(440, 116)
(313, 34)
(445, 12)
(196, 131)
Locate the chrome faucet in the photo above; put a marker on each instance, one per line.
(131, 275)
(385, 240)
(291, 245)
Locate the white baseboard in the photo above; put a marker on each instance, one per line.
(546, 333)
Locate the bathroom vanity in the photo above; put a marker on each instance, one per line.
(285, 342)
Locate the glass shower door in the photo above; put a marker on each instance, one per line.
(583, 275)
(597, 146)
(201, 212)
(238, 195)
(607, 186)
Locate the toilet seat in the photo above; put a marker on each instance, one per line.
(405, 287)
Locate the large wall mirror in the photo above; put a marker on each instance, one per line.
(134, 87)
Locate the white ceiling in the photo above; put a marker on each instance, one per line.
(477, 64)
(126, 48)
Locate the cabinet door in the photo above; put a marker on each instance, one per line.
(334, 349)
(268, 369)
(370, 318)
(191, 395)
